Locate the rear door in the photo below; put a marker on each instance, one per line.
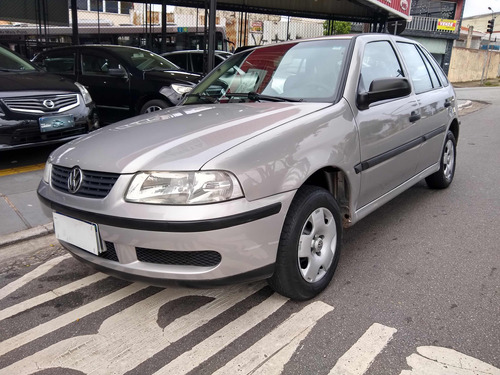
(388, 130)
(434, 98)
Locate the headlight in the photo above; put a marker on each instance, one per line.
(181, 89)
(179, 188)
(85, 93)
(47, 171)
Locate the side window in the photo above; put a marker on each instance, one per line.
(432, 73)
(379, 61)
(416, 66)
(98, 64)
(58, 63)
(178, 59)
(437, 68)
(197, 61)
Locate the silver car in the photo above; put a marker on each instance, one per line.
(258, 172)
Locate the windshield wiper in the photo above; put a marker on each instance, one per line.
(257, 97)
(206, 98)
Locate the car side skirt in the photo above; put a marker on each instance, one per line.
(372, 206)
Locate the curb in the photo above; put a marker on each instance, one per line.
(25, 235)
(465, 104)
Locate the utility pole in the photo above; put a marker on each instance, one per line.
(486, 64)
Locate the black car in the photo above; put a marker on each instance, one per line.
(40, 108)
(192, 60)
(123, 81)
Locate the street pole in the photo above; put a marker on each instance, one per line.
(486, 61)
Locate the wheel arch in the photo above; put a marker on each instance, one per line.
(454, 128)
(337, 183)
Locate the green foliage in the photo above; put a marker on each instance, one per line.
(336, 27)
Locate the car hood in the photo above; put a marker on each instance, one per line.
(179, 138)
(172, 76)
(33, 81)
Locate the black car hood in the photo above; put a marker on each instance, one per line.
(172, 76)
(34, 81)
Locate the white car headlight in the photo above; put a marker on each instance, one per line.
(47, 171)
(180, 188)
(181, 89)
(85, 93)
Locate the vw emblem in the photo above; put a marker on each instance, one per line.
(48, 104)
(75, 180)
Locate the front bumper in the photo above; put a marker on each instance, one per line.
(194, 245)
(21, 130)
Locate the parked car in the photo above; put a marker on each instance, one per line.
(259, 179)
(124, 81)
(192, 60)
(38, 108)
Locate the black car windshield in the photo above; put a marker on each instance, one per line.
(145, 60)
(10, 62)
(309, 71)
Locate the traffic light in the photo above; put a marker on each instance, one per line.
(491, 25)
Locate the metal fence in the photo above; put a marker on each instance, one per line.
(48, 23)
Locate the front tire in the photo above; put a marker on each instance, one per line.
(309, 247)
(443, 178)
(153, 106)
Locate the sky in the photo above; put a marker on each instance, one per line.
(476, 7)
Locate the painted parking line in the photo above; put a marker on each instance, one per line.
(127, 339)
(38, 300)
(432, 360)
(40, 270)
(361, 355)
(222, 338)
(17, 170)
(252, 359)
(63, 320)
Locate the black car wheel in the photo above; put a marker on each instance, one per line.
(153, 106)
(309, 247)
(443, 178)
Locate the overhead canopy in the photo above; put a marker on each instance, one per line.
(345, 10)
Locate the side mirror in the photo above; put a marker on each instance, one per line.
(119, 72)
(383, 89)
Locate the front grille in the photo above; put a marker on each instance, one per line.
(33, 135)
(110, 253)
(35, 104)
(182, 258)
(94, 184)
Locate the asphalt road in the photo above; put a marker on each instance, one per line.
(417, 291)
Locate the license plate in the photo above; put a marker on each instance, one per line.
(80, 233)
(52, 123)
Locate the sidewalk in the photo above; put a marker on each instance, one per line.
(21, 215)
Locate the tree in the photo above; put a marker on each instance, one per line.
(336, 27)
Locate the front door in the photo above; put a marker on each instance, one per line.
(388, 130)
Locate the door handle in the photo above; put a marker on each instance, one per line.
(414, 116)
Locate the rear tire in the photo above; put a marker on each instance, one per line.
(153, 106)
(309, 247)
(443, 178)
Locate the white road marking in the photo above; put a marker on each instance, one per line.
(271, 344)
(223, 337)
(22, 281)
(432, 360)
(70, 317)
(38, 300)
(132, 336)
(361, 355)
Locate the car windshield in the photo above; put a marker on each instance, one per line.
(307, 71)
(145, 60)
(10, 62)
